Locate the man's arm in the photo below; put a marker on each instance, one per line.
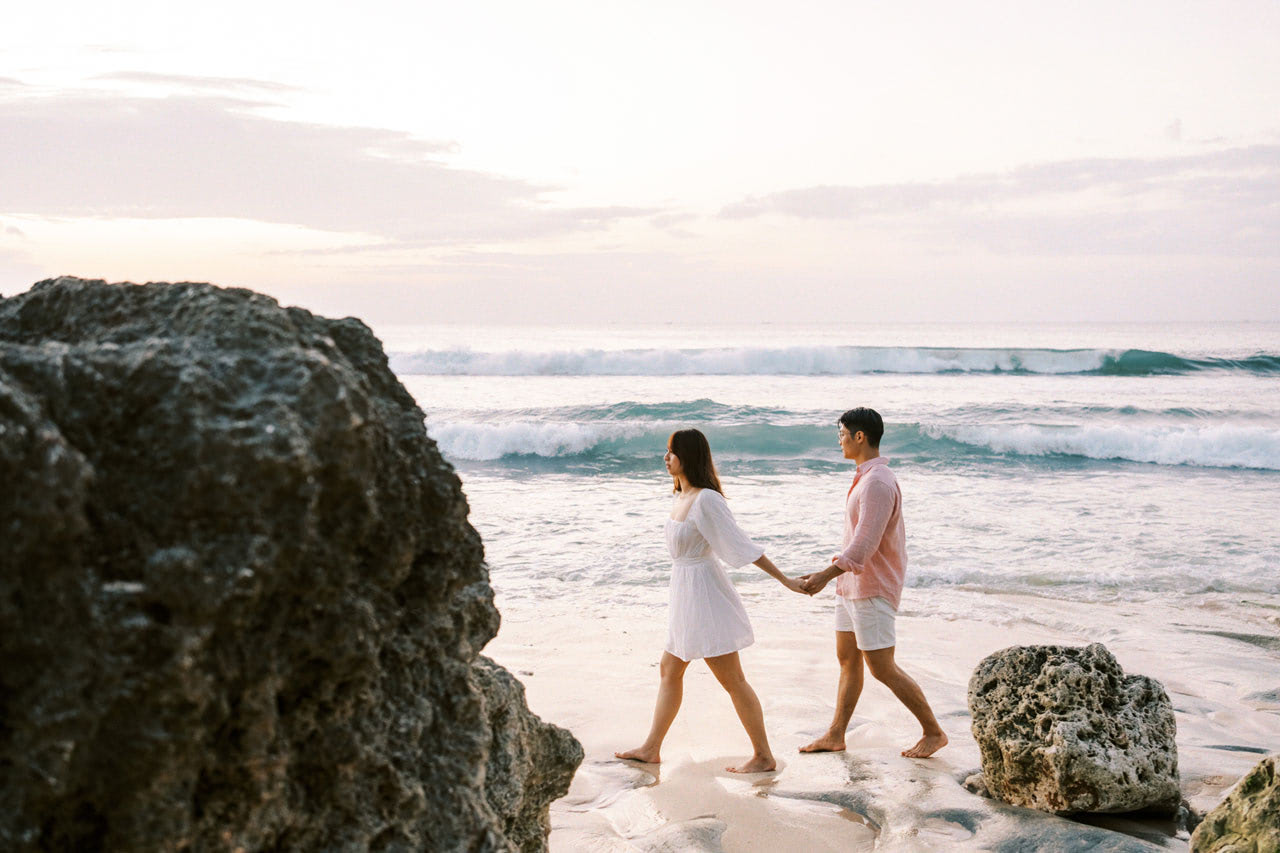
(874, 511)
(873, 518)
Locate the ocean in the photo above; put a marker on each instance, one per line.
(1062, 484)
(1078, 461)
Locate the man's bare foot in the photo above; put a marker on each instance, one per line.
(647, 756)
(757, 764)
(826, 743)
(926, 746)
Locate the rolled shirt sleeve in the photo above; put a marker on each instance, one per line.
(874, 513)
(714, 520)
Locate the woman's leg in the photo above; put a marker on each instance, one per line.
(670, 692)
(728, 671)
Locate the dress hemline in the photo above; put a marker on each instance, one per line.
(712, 654)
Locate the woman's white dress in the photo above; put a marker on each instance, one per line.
(706, 617)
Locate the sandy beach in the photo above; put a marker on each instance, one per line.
(1061, 485)
(595, 673)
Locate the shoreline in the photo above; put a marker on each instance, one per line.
(594, 671)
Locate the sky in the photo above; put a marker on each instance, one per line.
(605, 162)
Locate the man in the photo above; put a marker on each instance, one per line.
(869, 576)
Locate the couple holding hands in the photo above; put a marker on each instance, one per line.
(707, 619)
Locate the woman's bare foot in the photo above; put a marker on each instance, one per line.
(757, 764)
(826, 743)
(640, 753)
(926, 746)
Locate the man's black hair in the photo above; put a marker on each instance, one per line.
(867, 420)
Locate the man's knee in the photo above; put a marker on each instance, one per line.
(847, 651)
(882, 666)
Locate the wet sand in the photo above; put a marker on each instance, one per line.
(593, 669)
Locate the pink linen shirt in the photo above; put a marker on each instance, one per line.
(874, 558)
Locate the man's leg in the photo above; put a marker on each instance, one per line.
(847, 694)
(888, 673)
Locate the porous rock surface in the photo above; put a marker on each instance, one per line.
(1248, 820)
(241, 607)
(1063, 729)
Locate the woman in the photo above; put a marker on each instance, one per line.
(706, 618)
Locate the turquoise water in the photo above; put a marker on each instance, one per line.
(1086, 462)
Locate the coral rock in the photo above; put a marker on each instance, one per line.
(1248, 820)
(1064, 730)
(241, 605)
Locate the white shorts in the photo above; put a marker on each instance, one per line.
(870, 619)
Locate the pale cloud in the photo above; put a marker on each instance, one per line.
(670, 220)
(519, 287)
(98, 155)
(17, 272)
(673, 224)
(108, 49)
(1258, 165)
(1224, 202)
(187, 81)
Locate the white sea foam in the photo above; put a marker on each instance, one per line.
(1221, 446)
(489, 441)
(1224, 446)
(738, 361)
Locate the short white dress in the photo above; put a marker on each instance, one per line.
(706, 617)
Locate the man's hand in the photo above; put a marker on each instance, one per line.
(857, 570)
(816, 581)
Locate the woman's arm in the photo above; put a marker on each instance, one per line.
(715, 522)
(774, 572)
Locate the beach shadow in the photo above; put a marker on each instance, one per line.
(910, 805)
(1234, 747)
(1155, 827)
(1267, 642)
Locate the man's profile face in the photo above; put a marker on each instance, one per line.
(848, 442)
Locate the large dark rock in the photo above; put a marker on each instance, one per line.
(240, 602)
(1063, 729)
(1248, 820)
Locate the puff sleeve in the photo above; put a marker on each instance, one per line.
(714, 520)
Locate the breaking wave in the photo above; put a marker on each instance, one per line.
(816, 361)
(636, 445)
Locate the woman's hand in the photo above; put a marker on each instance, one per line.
(793, 584)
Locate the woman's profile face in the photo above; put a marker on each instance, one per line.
(674, 468)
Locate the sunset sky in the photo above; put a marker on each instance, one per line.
(618, 162)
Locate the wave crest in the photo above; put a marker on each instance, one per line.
(637, 445)
(814, 361)
(1226, 446)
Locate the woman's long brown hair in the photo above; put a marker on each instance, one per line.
(691, 448)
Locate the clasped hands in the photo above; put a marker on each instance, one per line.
(814, 582)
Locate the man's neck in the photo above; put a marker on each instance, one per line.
(862, 458)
